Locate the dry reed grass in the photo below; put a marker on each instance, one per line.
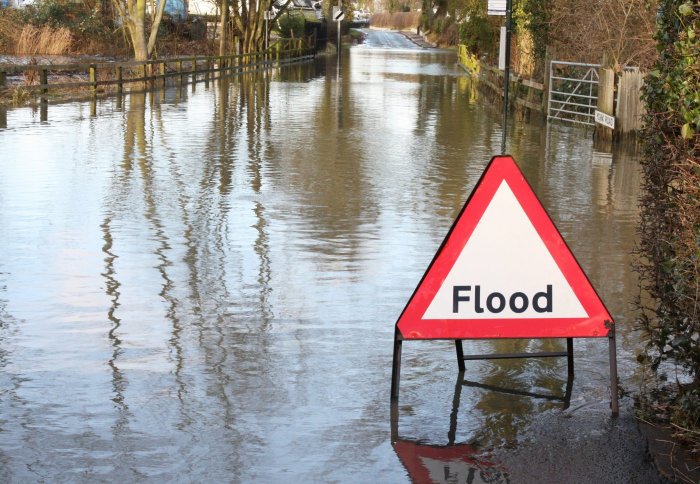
(396, 20)
(9, 30)
(43, 40)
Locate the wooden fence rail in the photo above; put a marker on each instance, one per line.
(121, 73)
(525, 93)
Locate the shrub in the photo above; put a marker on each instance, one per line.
(291, 25)
(477, 34)
(669, 262)
(396, 20)
(78, 17)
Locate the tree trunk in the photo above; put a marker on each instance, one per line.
(137, 29)
(224, 40)
(133, 14)
(154, 27)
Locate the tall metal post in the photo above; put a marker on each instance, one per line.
(614, 404)
(338, 39)
(506, 74)
(340, 9)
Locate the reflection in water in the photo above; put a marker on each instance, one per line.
(453, 462)
(206, 283)
(468, 462)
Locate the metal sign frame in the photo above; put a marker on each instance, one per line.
(597, 324)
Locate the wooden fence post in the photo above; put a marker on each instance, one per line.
(44, 81)
(630, 107)
(120, 83)
(545, 82)
(93, 79)
(163, 72)
(606, 97)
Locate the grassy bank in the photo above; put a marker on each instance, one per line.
(57, 28)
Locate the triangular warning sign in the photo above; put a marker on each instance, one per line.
(504, 271)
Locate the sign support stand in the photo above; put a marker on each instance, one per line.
(461, 358)
(569, 353)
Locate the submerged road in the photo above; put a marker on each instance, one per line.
(201, 283)
(387, 39)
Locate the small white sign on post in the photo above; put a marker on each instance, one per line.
(496, 7)
(338, 14)
(268, 15)
(605, 119)
(502, 51)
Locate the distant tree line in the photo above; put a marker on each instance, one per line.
(577, 30)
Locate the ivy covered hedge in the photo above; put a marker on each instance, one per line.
(669, 260)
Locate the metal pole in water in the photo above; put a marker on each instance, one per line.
(506, 74)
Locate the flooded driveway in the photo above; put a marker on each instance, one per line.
(201, 284)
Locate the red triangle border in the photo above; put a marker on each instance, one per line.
(411, 325)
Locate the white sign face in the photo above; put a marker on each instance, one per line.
(505, 271)
(605, 119)
(502, 50)
(338, 15)
(268, 15)
(496, 7)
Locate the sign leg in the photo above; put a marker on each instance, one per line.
(394, 421)
(452, 434)
(570, 356)
(396, 367)
(460, 355)
(614, 404)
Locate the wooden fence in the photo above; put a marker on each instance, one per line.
(630, 109)
(524, 93)
(618, 97)
(118, 74)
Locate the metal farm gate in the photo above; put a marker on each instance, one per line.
(573, 92)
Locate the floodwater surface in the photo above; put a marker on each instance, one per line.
(201, 284)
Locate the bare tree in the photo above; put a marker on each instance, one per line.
(133, 14)
(247, 17)
(620, 30)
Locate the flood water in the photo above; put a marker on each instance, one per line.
(201, 284)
